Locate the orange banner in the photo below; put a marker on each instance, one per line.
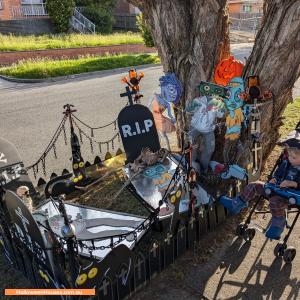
(46, 292)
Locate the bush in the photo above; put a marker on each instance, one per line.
(60, 12)
(101, 16)
(145, 30)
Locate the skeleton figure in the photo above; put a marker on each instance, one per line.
(23, 193)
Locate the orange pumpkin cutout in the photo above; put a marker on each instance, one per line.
(227, 69)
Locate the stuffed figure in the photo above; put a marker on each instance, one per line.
(171, 90)
(205, 111)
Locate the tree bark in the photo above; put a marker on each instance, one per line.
(276, 59)
(191, 36)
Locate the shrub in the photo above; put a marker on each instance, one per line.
(101, 16)
(145, 30)
(60, 12)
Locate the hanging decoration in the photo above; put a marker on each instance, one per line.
(252, 115)
(51, 147)
(78, 163)
(109, 143)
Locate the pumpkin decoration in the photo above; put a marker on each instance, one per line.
(227, 69)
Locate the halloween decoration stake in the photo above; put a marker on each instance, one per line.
(134, 83)
(77, 160)
(128, 94)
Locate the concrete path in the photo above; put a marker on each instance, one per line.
(233, 270)
(253, 272)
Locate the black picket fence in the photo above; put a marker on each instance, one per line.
(150, 256)
(148, 264)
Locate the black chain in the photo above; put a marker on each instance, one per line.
(144, 226)
(54, 151)
(59, 130)
(65, 134)
(91, 145)
(95, 128)
(91, 140)
(44, 165)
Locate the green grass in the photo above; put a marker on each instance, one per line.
(54, 41)
(45, 68)
(292, 117)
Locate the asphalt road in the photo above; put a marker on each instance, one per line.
(30, 113)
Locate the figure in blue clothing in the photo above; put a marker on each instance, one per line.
(287, 175)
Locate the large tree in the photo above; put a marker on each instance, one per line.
(276, 59)
(192, 36)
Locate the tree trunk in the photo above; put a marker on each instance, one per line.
(191, 36)
(276, 59)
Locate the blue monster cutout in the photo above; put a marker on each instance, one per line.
(234, 119)
(234, 103)
(171, 90)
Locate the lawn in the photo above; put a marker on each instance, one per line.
(292, 117)
(45, 68)
(55, 41)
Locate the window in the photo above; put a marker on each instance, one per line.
(247, 8)
(1, 4)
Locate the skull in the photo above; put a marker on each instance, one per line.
(23, 193)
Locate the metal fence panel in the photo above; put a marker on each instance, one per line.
(125, 22)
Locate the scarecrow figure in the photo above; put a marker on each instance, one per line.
(171, 90)
(134, 83)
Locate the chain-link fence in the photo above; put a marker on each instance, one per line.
(245, 22)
